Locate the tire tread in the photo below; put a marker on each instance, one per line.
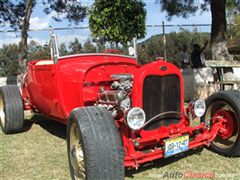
(102, 143)
(13, 107)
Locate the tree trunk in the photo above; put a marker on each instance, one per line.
(218, 38)
(219, 29)
(22, 57)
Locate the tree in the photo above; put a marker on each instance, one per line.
(233, 19)
(63, 49)
(8, 60)
(231, 10)
(22, 57)
(88, 47)
(118, 21)
(37, 51)
(219, 24)
(237, 26)
(153, 47)
(18, 14)
(75, 46)
(11, 13)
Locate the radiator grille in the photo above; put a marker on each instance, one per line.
(161, 94)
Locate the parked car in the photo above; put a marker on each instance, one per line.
(120, 114)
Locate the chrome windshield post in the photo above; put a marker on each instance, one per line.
(54, 47)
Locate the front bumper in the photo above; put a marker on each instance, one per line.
(149, 145)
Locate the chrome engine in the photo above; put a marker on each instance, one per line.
(118, 98)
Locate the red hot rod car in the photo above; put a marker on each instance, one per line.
(120, 114)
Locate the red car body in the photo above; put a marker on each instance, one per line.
(56, 89)
(51, 88)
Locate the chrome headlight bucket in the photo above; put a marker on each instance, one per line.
(136, 118)
(197, 108)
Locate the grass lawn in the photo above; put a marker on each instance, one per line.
(40, 153)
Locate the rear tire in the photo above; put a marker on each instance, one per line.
(94, 145)
(227, 105)
(11, 109)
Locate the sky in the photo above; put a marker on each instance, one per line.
(40, 20)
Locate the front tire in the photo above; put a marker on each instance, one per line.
(227, 105)
(11, 109)
(94, 145)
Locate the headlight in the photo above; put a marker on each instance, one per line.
(199, 107)
(136, 118)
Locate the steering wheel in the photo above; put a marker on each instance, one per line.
(112, 51)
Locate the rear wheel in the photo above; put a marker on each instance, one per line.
(11, 109)
(94, 145)
(226, 105)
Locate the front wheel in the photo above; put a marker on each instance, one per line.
(225, 104)
(94, 145)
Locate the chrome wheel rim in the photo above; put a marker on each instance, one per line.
(2, 113)
(219, 141)
(76, 153)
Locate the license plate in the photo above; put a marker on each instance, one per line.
(176, 145)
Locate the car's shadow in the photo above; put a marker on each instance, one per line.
(55, 128)
(161, 163)
(59, 130)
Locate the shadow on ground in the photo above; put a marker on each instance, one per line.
(53, 127)
(161, 162)
(59, 130)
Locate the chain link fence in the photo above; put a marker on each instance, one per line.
(160, 41)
